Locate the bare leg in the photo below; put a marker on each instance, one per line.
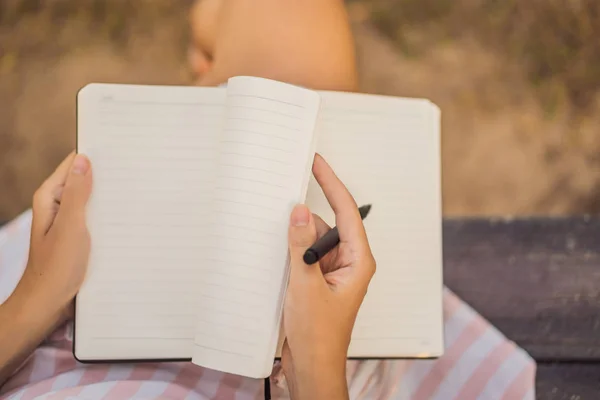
(304, 42)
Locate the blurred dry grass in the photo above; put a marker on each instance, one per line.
(51, 48)
(522, 137)
(517, 82)
(555, 41)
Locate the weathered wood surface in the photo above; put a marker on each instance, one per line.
(537, 280)
(570, 381)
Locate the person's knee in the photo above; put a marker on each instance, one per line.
(308, 43)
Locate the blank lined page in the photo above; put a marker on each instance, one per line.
(265, 157)
(387, 151)
(153, 153)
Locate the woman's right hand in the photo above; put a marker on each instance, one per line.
(323, 300)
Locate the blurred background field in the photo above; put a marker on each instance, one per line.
(517, 82)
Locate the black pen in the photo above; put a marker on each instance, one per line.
(328, 241)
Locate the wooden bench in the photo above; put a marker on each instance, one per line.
(538, 281)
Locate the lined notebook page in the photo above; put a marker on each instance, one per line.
(265, 157)
(387, 151)
(153, 152)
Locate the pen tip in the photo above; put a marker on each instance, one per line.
(364, 210)
(310, 257)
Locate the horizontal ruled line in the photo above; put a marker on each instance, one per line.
(256, 157)
(223, 351)
(225, 325)
(140, 337)
(262, 109)
(187, 224)
(226, 287)
(256, 145)
(255, 169)
(248, 216)
(265, 98)
(246, 240)
(147, 313)
(149, 268)
(165, 126)
(366, 337)
(263, 255)
(237, 276)
(118, 302)
(378, 115)
(269, 196)
(157, 246)
(270, 136)
(246, 204)
(237, 263)
(252, 180)
(150, 178)
(162, 146)
(128, 325)
(160, 103)
(263, 122)
(237, 303)
(249, 229)
(228, 338)
(236, 315)
(166, 278)
(187, 133)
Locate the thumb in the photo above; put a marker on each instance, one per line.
(302, 235)
(78, 187)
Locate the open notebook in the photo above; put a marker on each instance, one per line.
(193, 188)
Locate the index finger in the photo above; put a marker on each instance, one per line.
(47, 197)
(347, 216)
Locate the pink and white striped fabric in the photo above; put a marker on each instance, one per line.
(479, 363)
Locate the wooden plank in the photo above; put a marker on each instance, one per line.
(537, 280)
(568, 381)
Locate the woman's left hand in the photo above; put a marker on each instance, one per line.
(60, 242)
(58, 257)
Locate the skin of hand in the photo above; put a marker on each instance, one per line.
(58, 257)
(322, 300)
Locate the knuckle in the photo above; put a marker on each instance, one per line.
(86, 238)
(372, 265)
(38, 197)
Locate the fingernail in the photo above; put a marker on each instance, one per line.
(300, 215)
(80, 165)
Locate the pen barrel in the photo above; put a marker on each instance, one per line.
(323, 246)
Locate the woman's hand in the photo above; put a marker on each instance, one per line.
(322, 300)
(58, 256)
(60, 242)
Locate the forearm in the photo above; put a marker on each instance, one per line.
(26, 318)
